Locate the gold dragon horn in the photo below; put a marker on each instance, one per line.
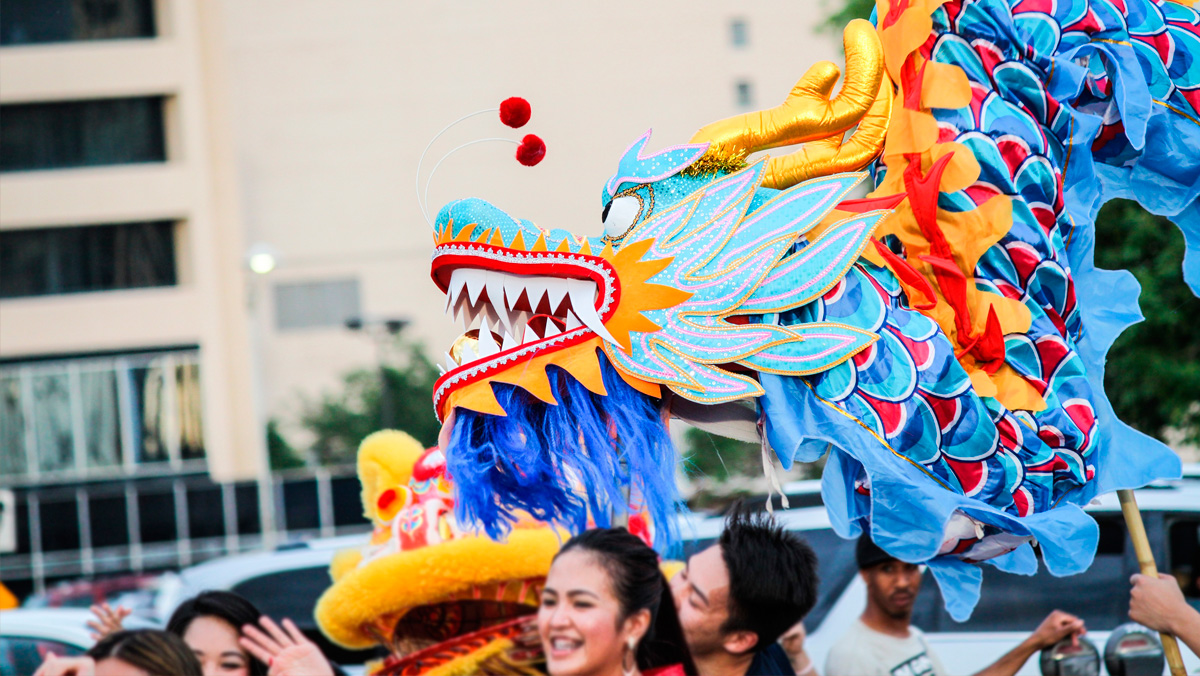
(809, 115)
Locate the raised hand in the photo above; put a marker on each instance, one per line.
(108, 620)
(286, 651)
(1057, 626)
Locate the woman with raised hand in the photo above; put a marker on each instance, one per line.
(607, 610)
(230, 637)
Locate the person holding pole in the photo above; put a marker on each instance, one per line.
(1158, 603)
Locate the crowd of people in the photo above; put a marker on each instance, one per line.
(607, 609)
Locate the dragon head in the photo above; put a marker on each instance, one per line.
(678, 299)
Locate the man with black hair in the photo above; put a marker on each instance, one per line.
(883, 643)
(737, 597)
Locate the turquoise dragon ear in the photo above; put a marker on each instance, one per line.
(637, 167)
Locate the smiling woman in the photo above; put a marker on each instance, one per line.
(606, 610)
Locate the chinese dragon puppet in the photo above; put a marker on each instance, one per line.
(942, 339)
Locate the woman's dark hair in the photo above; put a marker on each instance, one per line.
(639, 584)
(226, 606)
(155, 652)
(772, 576)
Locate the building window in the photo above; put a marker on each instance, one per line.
(738, 35)
(73, 417)
(28, 22)
(68, 134)
(49, 261)
(743, 94)
(309, 305)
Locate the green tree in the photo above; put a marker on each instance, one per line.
(1153, 372)
(279, 451)
(718, 457)
(845, 12)
(339, 421)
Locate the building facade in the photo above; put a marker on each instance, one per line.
(124, 371)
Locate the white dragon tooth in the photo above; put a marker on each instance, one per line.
(450, 363)
(572, 321)
(555, 290)
(487, 343)
(467, 353)
(531, 336)
(535, 287)
(470, 314)
(459, 304)
(583, 294)
(514, 286)
(509, 342)
(490, 318)
(441, 369)
(455, 287)
(494, 282)
(475, 282)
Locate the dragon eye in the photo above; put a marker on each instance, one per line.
(620, 214)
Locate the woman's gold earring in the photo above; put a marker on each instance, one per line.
(629, 659)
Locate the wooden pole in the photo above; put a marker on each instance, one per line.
(1145, 557)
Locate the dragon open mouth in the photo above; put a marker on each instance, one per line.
(516, 303)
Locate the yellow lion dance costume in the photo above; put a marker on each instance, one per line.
(443, 601)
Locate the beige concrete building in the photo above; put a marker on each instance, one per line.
(124, 283)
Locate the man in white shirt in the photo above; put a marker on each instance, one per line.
(883, 643)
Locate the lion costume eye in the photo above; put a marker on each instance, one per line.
(620, 214)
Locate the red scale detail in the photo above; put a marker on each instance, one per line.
(1021, 499)
(1108, 133)
(1014, 153)
(1024, 259)
(1088, 24)
(1084, 417)
(980, 193)
(920, 350)
(1051, 351)
(1056, 319)
(945, 410)
(970, 474)
(1045, 217)
(1038, 6)
(1192, 96)
(1055, 465)
(1161, 42)
(890, 414)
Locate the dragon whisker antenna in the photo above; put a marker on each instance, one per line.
(514, 112)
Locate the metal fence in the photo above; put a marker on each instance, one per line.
(152, 523)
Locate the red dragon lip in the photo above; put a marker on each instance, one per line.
(522, 302)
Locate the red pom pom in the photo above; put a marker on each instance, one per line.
(531, 151)
(514, 112)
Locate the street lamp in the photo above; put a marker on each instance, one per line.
(382, 330)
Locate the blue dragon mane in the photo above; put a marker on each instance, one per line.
(533, 460)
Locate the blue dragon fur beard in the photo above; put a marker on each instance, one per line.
(537, 459)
